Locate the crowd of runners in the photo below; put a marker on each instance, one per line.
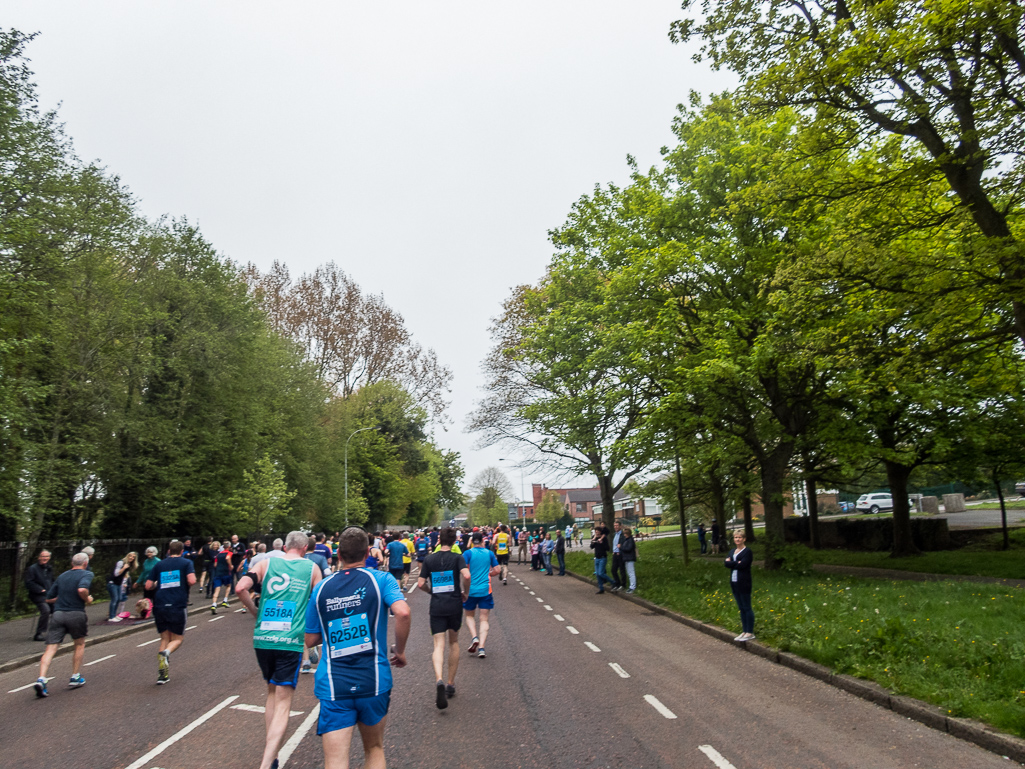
(323, 601)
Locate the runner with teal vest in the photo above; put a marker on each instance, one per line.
(278, 637)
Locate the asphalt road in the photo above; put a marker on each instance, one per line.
(572, 679)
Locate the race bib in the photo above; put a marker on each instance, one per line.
(503, 548)
(170, 579)
(349, 635)
(277, 615)
(443, 582)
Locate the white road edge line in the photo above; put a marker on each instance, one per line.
(666, 712)
(619, 670)
(716, 757)
(293, 742)
(101, 659)
(591, 646)
(147, 643)
(138, 764)
(572, 629)
(215, 618)
(28, 686)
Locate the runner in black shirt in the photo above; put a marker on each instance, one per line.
(449, 586)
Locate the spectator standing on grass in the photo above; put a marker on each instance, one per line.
(600, 545)
(739, 564)
(628, 551)
(618, 570)
(38, 580)
(560, 553)
(701, 538)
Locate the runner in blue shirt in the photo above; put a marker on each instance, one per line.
(353, 682)
(395, 551)
(483, 566)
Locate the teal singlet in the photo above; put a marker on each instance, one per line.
(282, 616)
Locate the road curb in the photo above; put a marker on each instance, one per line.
(64, 648)
(976, 732)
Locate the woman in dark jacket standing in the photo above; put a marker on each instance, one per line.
(560, 553)
(739, 564)
(628, 549)
(600, 545)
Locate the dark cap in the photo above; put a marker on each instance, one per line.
(478, 537)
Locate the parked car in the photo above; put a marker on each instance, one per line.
(873, 503)
(1019, 488)
(845, 507)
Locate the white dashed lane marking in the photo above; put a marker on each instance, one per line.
(411, 588)
(591, 646)
(549, 608)
(239, 611)
(147, 643)
(572, 629)
(192, 627)
(261, 709)
(27, 686)
(181, 733)
(619, 670)
(540, 600)
(716, 757)
(662, 709)
(532, 592)
(560, 618)
(215, 619)
(101, 659)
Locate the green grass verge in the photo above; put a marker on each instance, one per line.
(956, 644)
(983, 557)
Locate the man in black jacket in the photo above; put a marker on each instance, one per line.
(38, 579)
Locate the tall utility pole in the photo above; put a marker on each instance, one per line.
(363, 430)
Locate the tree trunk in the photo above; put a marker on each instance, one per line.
(1003, 511)
(608, 512)
(683, 513)
(773, 472)
(749, 524)
(813, 512)
(903, 542)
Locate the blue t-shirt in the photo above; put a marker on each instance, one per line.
(170, 579)
(348, 610)
(395, 552)
(480, 560)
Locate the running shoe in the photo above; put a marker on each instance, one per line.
(163, 677)
(164, 666)
(224, 604)
(40, 687)
(76, 681)
(306, 668)
(213, 609)
(441, 699)
(473, 645)
(314, 655)
(450, 690)
(481, 653)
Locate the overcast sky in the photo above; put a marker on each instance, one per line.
(427, 148)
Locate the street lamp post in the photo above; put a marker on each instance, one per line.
(363, 430)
